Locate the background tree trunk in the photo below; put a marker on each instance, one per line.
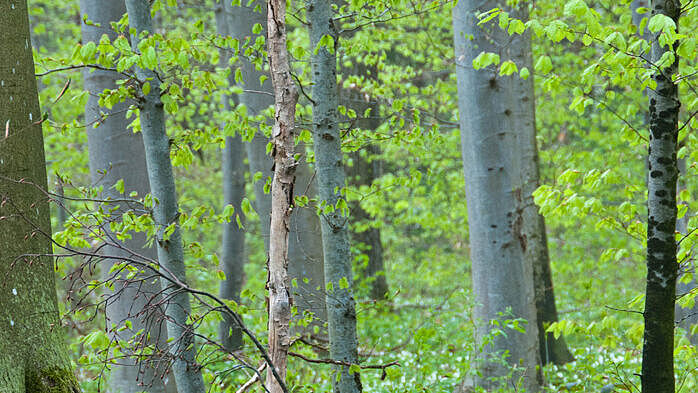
(116, 153)
(305, 254)
(186, 372)
(365, 169)
(233, 168)
(327, 143)
(662, 267)
(501, 272)
(33, 354)
(523, 120)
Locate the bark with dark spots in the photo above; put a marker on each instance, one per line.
(500, 220)
(662, 266)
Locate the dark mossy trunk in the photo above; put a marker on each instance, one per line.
(33, 354)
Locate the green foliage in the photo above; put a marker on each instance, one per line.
(590, 70)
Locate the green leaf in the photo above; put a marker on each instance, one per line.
(485, 59)
(87, 52)
(516, 27)
(524, 73)
(343, 283)
(150, 59)
(119, 186)
(220, 274)
(544, 65)
(661, 22)
(575, 7)
(508, 68)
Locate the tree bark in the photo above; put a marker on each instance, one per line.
(327, 141)
(33, 354)
(305, 253)
(523, 119)
(233, 168)
(662, 267)
(495, 180)
(116, 153)
(282, 138)
(305, 244)
(186, 372)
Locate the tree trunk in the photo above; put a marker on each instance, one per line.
(116, 153)
(367, 168)
(305, 253)
(662, 267)
(282, 138)
(233, 244)
(305, 244)
(33, 354)
(523, 119)
(495, 180)
(186, 372)
(327, 142)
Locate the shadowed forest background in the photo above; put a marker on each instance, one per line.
(425, 195)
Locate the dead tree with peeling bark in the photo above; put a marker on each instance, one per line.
(278, 284)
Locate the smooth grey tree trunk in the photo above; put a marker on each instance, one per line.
(186, 372)
(329, 165)
(305, 245)
(501, 272)
(117, 153)
(662, 267)
(523, 119)
(233, 244)
(305, 253)
(33, 354)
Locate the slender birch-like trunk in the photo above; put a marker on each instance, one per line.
(494, 178)
(186, 372)
(282, 138)
(662, 266)
(33, 354)
(341, 311)
(233, 168)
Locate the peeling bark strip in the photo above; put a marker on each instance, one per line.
(662, 267)
(33, 354)
(341, 313)
(282, 138)
(186, 372)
